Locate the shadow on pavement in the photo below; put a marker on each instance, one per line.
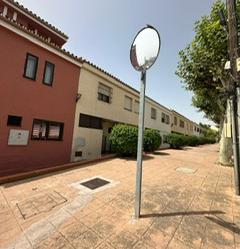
(159, 153)
(228, 225)
(145, 158)
(187, 148)
(181, 213)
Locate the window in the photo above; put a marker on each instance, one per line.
(88, 121)
(153, 113)
(14, 120)
(47, 130)
(165, 118)
(181, 124)
(136, 106)
(128, 103)
(39, 130)
(78, 153)
(104, 93)
(31, 64)
(54, 131)
(48, 73)
(175, 120)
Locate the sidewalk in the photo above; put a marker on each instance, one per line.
(188, 201)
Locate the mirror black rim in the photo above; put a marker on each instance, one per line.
(159, 38)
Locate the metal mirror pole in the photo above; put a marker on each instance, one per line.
(140, 146)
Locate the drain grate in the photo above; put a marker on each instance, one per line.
(186, 170)
(95, 183)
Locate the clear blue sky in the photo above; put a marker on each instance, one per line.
(102, 32)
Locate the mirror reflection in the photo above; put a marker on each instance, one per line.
(145, 49)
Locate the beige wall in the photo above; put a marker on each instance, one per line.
(89, 141)
(113, 112)
(89, 103)
(188, 128)
(157, 123)
(195, 132)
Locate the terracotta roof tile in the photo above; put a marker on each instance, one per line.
(37, 17)
(41, 38)
(79, 59)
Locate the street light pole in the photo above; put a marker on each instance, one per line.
(140, 146)
(233, 55)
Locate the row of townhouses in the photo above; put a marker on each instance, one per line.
(57, 108)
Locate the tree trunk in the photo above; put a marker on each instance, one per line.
(226, 150)
(225, 154)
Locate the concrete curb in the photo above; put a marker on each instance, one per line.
(45, 171)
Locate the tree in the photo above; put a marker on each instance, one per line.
(201, 68)
(208, 132)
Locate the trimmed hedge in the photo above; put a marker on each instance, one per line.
(192, 141)
(124, 139)
(177, 141)
(206, 140)
(152, 140)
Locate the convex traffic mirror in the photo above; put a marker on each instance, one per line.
(145, 48)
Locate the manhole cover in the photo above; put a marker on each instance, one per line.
(186, 170)
(95, 183)
(40, 203)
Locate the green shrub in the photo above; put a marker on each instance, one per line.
(176, 141)
(203, 140)
(192, 141)
(124, 139)
(206, 140)
(152, 140)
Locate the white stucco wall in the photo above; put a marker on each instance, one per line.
(89, 141)
(114, 112)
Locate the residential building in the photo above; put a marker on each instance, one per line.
(106, 101)
(38, 83)
(196, 129)
(182, 125)
(56, 107)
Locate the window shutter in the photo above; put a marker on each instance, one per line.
(136, 107)
(128, 103)
(39, 130)
(153, 113)
(105, 90)
(36, 130)
(54, 131)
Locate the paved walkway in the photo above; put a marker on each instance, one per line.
(188, 202)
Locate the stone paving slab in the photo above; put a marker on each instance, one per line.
(180, 209)
(40, 203)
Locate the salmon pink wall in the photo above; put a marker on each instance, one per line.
(34, 100)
